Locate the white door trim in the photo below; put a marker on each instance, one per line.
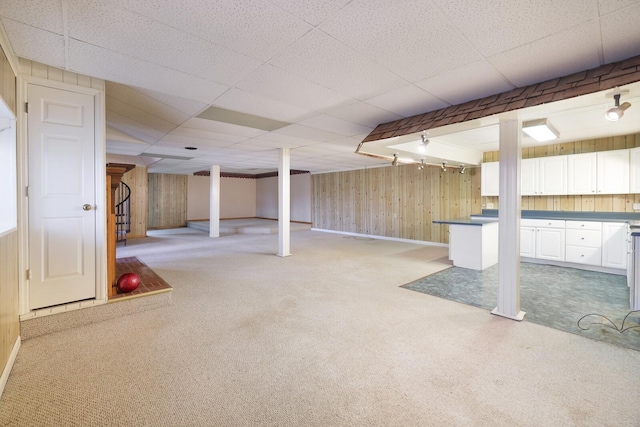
(22, 82)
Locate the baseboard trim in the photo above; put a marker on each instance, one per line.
(393, 239)
(7, 369)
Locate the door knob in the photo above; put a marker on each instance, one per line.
(86, 207)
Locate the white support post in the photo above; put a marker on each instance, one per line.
(284, 202)
(509, 222)
(214, 204)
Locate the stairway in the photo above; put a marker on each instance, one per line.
(123, 212)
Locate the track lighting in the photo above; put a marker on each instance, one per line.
(421, 165)
(422, 148)
(443, 167)
(615, 113)
(462, 168)
(395, 160)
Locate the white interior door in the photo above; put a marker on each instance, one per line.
(62, 220)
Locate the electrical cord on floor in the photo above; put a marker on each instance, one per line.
(621, 329)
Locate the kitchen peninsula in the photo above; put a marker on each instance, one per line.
(473, 243)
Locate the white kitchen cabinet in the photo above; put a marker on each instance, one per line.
(615, 244)
(543, 176)
(528, 242)
(634, 170)
(545, 237)
(529, 177)
(490, 179)
(584, 242)
(613, 172)
(581, 173)
(552, 175)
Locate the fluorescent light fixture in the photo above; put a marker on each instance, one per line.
(540, 130)
(615, 113)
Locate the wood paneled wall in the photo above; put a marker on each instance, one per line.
(9, 308)
(396, 201)
(167, 200)
(586, 203)
(138, 180)
(36, 69)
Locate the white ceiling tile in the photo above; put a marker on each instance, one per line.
(253, 27)
(466, 83)
(251, 103)
(98, 62)
(621, 34)
(274, 83)
(407, 101)
(572, 51)
(414, 39)
(328, 62)
(139, 115)
(280, 143)
(118, 147)
(132, 34)
(335, 125)
(506, 24)
(608, 6)
(178, 103)
(132, 127)
(202, 127)
(32, 43)
(306, 132)
(251, 145)
(214, 140)
(46, 15)
(363, 113)
(314, 12)
(289, 139)
(139, 101)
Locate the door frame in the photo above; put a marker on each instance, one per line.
(22, 83)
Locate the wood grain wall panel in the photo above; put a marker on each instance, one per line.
(9, 304)
(397, 201)
(167, 201)
(36, 69)
(7, 82)
(138, 180)
(578, 203)
(9, 315)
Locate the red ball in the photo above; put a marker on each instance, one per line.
(128, 282)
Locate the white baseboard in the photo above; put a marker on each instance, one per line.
(9, 365)
(395, 239)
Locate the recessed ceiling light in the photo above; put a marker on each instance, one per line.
(190, 148)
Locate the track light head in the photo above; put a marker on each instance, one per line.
(422, 148)
(395, 160)
(421, 165)
(462, 168)
(615, 113)
(443, 167)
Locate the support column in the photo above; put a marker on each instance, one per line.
(214, 204)
(284, 202)
(509, 222)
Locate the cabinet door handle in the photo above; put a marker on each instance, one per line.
(582, 238)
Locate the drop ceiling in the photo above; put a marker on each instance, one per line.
(328, 70)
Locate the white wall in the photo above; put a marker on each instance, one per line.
(267, 197)
(237, 197)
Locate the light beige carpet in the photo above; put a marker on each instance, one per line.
(322, 338)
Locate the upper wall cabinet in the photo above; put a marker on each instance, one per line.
(581, 173)
(490, 179)
(543, 176)
(613, 172)
(552, 175)
(634, 170)
(602, 172)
